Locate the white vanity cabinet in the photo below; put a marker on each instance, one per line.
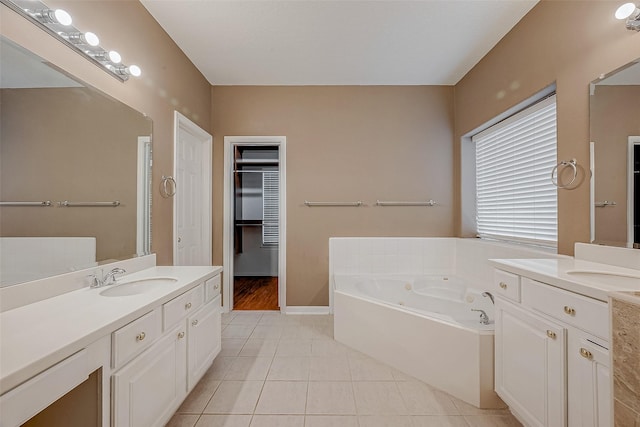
(552, 357)
(152, 378)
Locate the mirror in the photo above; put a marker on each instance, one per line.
(615, 157)
(75, 172)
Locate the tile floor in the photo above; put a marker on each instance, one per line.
(287, 371)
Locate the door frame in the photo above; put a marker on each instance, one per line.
(182, 124)
(633, 141)
(227, 250)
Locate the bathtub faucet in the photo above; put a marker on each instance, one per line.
(488, 294)
(484, 319)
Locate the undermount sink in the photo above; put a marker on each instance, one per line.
(136, 287)
(607, 276)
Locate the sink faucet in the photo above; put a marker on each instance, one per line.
(484, 319)
(488, 294)
(108, 279)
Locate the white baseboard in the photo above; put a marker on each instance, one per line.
(306, 309)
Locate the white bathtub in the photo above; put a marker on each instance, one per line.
(447, 298)
(407, 302)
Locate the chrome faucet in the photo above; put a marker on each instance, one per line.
(488, 294)
(108, 279)
(484, 319)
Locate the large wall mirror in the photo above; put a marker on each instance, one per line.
(75, 172)
(615, 157)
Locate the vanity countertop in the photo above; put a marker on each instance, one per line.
(36, 336)
(587, 278)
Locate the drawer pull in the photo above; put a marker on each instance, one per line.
(503, 285)
(570, 311)
(586, 353)
(180, 335)
(141, 336)
(187, 306)
(551, 334)
(194, 323)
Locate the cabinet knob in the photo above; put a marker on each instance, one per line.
(551, 334)
(569, 310)
(194, 323)
(140, 336)
(180, 335)
(187, 306)
(216, 286)
(503, 285)
(586, 353)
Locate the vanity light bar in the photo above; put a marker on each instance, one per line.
(58, 23)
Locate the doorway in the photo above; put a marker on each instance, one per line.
(254, 227)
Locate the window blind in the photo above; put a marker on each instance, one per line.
(270, 213)
(515, 199)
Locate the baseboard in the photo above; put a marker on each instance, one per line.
(307, 309)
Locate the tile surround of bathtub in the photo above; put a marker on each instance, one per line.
(626, 362)
(465, 258)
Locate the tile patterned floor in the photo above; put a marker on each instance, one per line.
(287, 371)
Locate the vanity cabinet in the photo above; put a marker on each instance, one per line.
(159, 357)
(552, 357)
(148, 389)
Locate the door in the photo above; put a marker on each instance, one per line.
(192, 200)
(204, 340)
(589, 381)
(530, 365)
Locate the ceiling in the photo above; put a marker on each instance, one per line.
(336, 42)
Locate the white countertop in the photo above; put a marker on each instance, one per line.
(36, 336)
(556, 272)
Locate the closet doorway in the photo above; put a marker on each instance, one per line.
(254, 223)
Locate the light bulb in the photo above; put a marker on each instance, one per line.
(135, 71)
(625, 11)
(114, 57)
(62, 17)
(91, 39)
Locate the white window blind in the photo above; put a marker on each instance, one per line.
(515, 199)
(270, 202)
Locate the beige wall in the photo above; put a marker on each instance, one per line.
(615, 115)
(345, 143)
(84, 148)
(567, 42)
(169, 81)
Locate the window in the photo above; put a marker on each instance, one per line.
(270, 198)
(515, 199)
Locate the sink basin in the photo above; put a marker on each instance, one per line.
(136, 287)
(610, 277)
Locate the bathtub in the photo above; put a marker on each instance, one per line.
(408, 303)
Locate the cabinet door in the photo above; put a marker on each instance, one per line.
(589, 381)
(530, 365)
(148, 390)
(205, 340)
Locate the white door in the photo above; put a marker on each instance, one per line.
(192, 201)
(530, 365)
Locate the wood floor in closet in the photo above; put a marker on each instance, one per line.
(255, 293)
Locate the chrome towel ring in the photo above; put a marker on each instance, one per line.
(168, 187)
(559, 167)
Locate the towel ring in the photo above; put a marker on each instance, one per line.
(554, 173)
(167, 190)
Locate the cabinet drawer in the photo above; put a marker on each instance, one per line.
(179, 307)
(211, 288)
(130, 340)
(506, 285)
(585, 313)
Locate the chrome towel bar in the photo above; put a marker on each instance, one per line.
(312, 204)
(68, 204)
(41, 204)
(604, 204)
(427, 203)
